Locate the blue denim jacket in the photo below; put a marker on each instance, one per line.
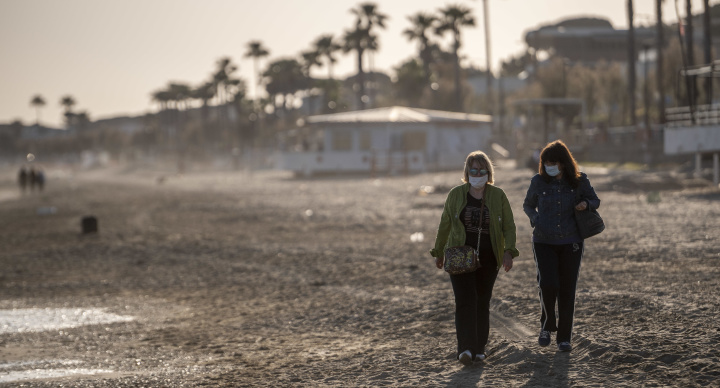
(551, 208)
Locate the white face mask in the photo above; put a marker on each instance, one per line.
(479, 181)
(552, 170)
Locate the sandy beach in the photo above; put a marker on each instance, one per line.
(245, 279)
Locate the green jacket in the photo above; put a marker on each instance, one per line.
(451, 231)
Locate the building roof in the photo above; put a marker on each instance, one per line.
(398, 114)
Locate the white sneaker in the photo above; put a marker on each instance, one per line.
(465, 357)
(480, 357)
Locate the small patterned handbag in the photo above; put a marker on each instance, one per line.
(463, 258)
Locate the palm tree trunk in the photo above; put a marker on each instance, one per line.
(425, 57)
(458, 92)
(659, 61)
(361, 80)
(257, 78)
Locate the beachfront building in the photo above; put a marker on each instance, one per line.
(587, 40)
(392, 140)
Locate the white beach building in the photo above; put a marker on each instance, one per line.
(389, 140)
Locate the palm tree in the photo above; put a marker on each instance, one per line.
(181, 94)
(83, 120)
(372, 48)
(325, 46)
(225, 84)
(285, 77)
(162, 97)
(356, 40)
(367, 16)
(222, 78)
(453, 18)
(310, 59)
(204, 93)
(411, 82)
(255, 50)
(68, 102)
(37, 102)
(421, 23)
(361, 39)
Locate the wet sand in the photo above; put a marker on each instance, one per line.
(237, 279)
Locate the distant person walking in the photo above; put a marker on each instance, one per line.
(32, 178)
(40, 179)
(476, 210)
(22, 179)
(550, 204)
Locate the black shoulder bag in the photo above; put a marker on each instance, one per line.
(588, 221)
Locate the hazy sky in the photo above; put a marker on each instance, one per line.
(110, 55)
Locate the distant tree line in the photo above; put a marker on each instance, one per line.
(220, 115)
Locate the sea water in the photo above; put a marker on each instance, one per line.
(32, 372)
(43, 319)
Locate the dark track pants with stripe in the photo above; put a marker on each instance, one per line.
(558, 267)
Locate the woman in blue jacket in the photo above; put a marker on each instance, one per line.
(550, 203)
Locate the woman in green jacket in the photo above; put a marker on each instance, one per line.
(459, 225)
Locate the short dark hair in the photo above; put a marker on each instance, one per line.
(558, 152)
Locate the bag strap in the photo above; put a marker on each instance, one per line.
(482, 217)
(578, 198)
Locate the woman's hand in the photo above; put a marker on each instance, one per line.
(439, 261)
(581, 206)
(507, 261)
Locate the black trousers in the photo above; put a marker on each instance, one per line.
(558, 267)
(472, 304)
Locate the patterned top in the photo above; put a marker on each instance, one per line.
(470, 217)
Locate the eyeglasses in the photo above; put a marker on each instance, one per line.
(476, 172)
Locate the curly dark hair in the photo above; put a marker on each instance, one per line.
(557, 152)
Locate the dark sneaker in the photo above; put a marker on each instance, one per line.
(480, 357)
(564, 346)
(544, 339)
(465, 357)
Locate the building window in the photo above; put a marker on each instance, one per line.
(365, 141)
(341, 141)
(415, 141)
(396, 142)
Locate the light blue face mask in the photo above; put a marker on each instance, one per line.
(552, 170)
